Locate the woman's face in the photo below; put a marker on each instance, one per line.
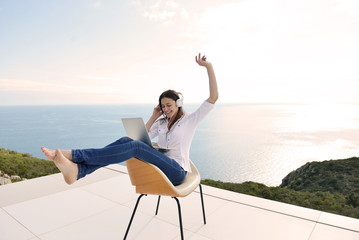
(169, 107)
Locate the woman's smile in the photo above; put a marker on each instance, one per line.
(169, 114)
(169, 107)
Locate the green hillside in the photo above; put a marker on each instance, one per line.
(330, 186)
(25, 165)
(335, 176)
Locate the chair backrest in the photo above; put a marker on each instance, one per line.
(149, 179)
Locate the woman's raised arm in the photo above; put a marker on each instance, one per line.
(213, 89)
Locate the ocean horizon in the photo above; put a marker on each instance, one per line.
(234, 143)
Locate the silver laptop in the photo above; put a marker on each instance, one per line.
(136, 129)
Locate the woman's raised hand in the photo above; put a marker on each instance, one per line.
(157, 111)
(213, 89)
(202, 60)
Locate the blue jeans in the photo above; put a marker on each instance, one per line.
(89, 160)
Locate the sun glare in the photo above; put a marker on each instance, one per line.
(317, 117)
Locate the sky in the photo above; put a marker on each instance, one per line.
(123, 52)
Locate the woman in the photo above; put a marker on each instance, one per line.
(175, 132)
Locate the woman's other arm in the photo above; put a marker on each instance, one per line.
(213, 89)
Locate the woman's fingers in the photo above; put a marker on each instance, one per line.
(200, 59)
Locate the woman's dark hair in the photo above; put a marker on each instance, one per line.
(174, 96)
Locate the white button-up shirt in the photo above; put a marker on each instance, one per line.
(179, 138)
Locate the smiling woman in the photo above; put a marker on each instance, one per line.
(175, 133)
(171, 104)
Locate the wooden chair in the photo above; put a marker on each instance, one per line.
(149, 179)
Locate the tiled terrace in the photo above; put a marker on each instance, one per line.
(100, 206)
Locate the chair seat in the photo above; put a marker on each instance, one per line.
(149, 179)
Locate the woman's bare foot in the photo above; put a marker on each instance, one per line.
(51, 154)
(68, 168)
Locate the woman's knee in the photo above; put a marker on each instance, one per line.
(120, 141)
(125, 139)
(137, 144)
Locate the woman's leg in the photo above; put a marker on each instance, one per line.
(83, 155)
(86, 161)
(88, 169)
(63, 161)
(89, 160)
(51, 153)
(68, 169)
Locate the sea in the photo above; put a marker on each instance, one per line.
(234, 143)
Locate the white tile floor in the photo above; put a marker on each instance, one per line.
(100, 206)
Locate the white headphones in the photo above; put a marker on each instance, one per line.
(179, 102)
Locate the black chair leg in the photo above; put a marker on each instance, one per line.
(133, 214)
(158, 203)
(204, 213)
(180, 216)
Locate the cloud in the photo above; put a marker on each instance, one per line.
(350, 7)
(94, 85)
(16, 85)
(96, 5)
(80, 89)
(165, 11)
(100, 78)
